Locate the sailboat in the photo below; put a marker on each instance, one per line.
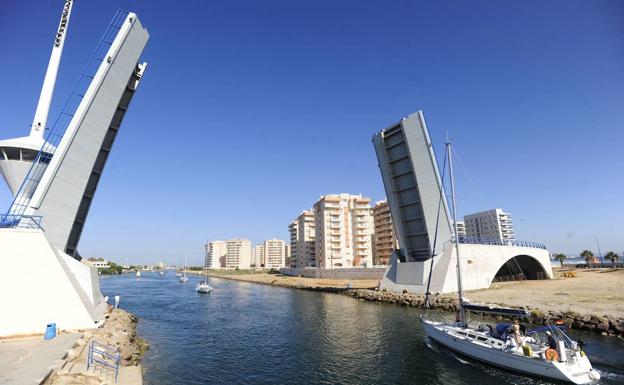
(555, 357)
(204, 287)
(183, 277)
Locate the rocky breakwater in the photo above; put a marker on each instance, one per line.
(605, 325)
(119, 331)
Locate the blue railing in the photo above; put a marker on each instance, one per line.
(498, 242)
(21, 221)
(106, 355)
(53, 138)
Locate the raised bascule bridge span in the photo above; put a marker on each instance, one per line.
(423, 224)
(42, 280)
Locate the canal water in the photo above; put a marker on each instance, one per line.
(245, 333)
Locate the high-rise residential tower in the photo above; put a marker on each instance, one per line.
(258, 255)
(287, 251)
(306, 235)
(274, 253)
(493, 223)
(215, 254)
(238, 254)
(344, 227)
(292, 231)
(384, 240)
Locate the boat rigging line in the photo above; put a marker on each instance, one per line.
(435, 237)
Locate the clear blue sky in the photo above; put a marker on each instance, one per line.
(249, 111)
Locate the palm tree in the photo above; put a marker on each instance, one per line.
(560, 257)
(588, 255)
(612, 256)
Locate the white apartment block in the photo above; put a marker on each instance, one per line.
(274, 253)
(238, 254)
(494, 223)
(305, 250)
(344, 227)
(292, 231)
(258, 252)
(215, 254)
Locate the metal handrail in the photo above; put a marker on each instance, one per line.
(21, 221)
(499, 242)
(106, 355)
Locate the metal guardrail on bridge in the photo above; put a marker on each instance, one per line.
(498, 242)
(21, 221)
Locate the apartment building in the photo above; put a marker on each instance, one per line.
(493, 223)
(274, 253)
(238, 254)
(305, 248)
(287, 254)
(292, 231)
(384, 239)
(344, 227)
(215, 254)
(461, 229)
(258, 253)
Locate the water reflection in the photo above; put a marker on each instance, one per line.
(245, 333)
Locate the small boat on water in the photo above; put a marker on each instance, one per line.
(161, 273)
(138, 273)
(183, 277)
(204, 287)
(509, 346)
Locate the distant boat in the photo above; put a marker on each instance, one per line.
(184, 278)
(204, 287)
(161, 273)
(138, 273)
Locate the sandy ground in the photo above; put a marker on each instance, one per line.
(299, 282)
(599, 292)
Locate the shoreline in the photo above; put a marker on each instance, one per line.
(611, 323)
(118, 330)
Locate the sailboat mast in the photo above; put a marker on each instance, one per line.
(462, 314)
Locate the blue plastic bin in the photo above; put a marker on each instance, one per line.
(50, 331)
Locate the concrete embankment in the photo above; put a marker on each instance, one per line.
(119, 331)
(605, 319)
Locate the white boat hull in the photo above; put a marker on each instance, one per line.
(203, 288)
(576, 370)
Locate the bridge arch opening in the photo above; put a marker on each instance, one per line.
(520, 268)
